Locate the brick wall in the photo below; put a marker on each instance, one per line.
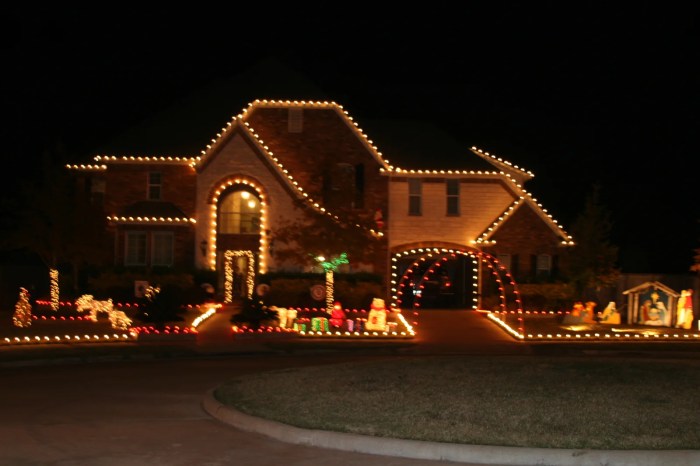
(325, 140)
(128, 183)
(526, 234)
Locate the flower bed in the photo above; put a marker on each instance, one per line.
(346, 323)
(552, 326)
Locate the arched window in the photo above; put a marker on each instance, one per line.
(239, 213)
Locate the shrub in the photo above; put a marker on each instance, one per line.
(162, 306)
(254, 313)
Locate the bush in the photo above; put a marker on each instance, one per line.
(118, 284)
(163, 306)
(254, 313)
(354, 291)
(551, 296)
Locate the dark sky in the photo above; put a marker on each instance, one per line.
(578, 94)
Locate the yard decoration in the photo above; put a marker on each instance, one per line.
(117, 318)
(377, 316)
(655, 311)
(589, 312)
(684, 313)
(337, 316)
(319, 324)
(23, 310)
(285, 316)
(576, 314)
(651, 303)
(610, 314)
(330, 266)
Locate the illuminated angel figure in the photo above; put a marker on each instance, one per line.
(684, 312)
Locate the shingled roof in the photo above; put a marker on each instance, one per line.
(421, 145)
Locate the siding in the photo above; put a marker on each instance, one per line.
(481, 202)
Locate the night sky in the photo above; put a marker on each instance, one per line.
(579, 95)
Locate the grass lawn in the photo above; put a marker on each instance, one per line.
(606, 403)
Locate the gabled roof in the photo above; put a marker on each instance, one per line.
(420, 145)
(345, 117)
(654, 285)
(524, 198)
(410, 142)
(237, 124)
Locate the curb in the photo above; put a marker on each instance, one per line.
(479, 454)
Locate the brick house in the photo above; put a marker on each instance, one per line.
(423, 203)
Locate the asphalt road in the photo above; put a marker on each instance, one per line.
(127, 413)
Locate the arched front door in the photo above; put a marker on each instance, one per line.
(238, 236)
(239, 274)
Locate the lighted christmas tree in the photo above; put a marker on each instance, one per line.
(23, 310)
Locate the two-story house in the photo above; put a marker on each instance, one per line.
(435, 213)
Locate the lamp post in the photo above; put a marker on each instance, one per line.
(330, 266)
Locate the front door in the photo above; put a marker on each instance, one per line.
(239, 274)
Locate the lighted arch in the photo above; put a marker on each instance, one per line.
(213, 201)
(228, 274)
(498, 272)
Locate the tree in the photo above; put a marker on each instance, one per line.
(696, 261)
(316, 234)
(592, 261)
(52, 218)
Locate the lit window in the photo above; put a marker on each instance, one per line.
(162, 249)
(135, 248)
(295, 120)
(452, 187)
(414, 196)
(155, 184)
(239, 213)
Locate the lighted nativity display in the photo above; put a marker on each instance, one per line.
(651, 303)
(653, 311)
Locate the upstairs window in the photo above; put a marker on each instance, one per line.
(239, 213)
(543, 266)
(155, 185)
(415, 190)
(452, 188)
(295, 120)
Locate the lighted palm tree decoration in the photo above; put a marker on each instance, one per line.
(330, 266)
